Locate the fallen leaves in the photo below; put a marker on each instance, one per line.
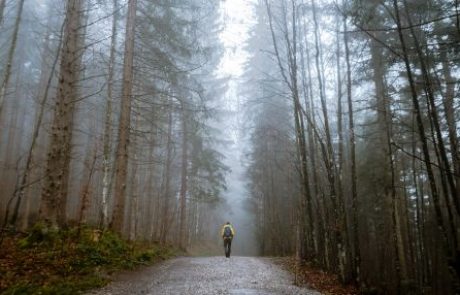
(319, 280)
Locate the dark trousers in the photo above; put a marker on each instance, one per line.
(227, 246)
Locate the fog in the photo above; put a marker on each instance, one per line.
(325, 130)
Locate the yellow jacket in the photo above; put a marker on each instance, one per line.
(223, 228)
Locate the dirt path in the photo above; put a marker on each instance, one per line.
(208, 275)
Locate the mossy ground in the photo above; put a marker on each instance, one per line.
(68, 261)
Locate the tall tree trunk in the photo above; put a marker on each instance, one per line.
(11, 51)
(290, 78)
(329, 160)
(428, 85)
(183, 185)
(451, 253)
(312, 144)
(54, 193)
(134, 197)
(166, 180)
(354, 190)
(46, 78)
(152, 216)
(452, 198)
(121, 172)
(2, 10)
(85, 193)
(343, 249)
(107, 160)
(448, 105)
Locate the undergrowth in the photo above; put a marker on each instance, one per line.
(68, 261)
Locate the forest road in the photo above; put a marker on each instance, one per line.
(207, 275)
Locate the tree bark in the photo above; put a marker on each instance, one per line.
(183, 185)
(451, 254)
(2, 10)
(166, 180)
(290, 78)
(122, 153)
(343, 249)
(54, 192)
(445, 164)
(448, 105)
(85, 193)
(46, 78)
(11, 51)
(107, 160)
(352, 142)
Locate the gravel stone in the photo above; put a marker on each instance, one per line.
(207, 275)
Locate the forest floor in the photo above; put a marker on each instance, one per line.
(75, 260)
(318, 279)
(71, 261)
(208, 275)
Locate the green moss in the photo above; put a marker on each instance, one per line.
(19, 289)
(71, 260)
(39, 235)
(72, 286)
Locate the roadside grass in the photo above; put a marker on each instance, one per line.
(69, 261)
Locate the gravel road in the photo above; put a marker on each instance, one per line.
(207, 275)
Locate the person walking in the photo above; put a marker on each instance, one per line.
(227, 234)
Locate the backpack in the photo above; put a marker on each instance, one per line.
(227, 232)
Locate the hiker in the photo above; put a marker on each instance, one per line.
(227, 234)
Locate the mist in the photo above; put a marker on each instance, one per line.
(325, 131)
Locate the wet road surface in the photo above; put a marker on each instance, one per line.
(208, 275)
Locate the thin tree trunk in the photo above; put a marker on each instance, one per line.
(183, 186)
(448, 104)
(445, 164)
(290, 78)
(344, 254)
(134, 204)
(306, 205)
(354, 190)
(310, 105)
(45, 85)
(420, 237)
(166, 181)
(121, 172)
(152, 215)
(11, 52)
(452, 256)
(86, 190)
(2, 10)
(107, 161)
(330, 165)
